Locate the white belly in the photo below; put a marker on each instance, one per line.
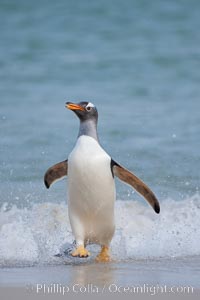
(91, 192)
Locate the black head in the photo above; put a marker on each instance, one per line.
(84, 110)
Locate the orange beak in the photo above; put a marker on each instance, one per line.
(73, 106)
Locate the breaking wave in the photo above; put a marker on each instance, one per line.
(34, 235)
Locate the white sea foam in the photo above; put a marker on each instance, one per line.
(33, 236)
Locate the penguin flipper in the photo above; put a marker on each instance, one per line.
(55, 173)
(128, 177)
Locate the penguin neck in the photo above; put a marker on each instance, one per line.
(89, 128)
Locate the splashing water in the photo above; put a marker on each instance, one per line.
(30, 236)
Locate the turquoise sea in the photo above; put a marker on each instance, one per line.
(139, 63)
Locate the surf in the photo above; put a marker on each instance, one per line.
(32, 236)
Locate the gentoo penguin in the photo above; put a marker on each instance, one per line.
(91, 186)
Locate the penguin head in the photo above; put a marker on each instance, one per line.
(84, 110)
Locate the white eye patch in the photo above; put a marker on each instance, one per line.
(90, 105)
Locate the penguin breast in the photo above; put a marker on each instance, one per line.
(90, 181)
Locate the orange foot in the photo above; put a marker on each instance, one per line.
(103, 256)
(80, 251)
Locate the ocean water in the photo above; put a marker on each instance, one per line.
(138, 62)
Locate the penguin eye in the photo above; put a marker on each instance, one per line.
(88, 108)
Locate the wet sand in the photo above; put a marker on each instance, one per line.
(164, 277)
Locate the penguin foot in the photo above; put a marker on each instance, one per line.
(80, 251)
(103, 256)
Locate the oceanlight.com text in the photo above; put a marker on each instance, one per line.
(112, 288)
